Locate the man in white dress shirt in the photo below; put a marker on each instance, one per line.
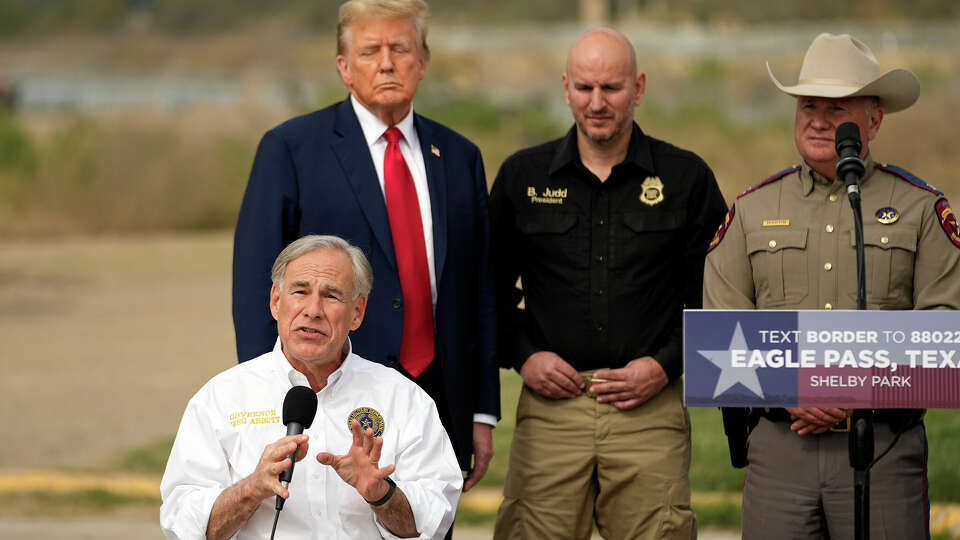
(408, 191)
(395, 477)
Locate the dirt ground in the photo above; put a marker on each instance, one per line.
(103, 341)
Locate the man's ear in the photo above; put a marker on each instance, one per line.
(343, 67)
(876, 118)
(359, 308)
(641, 87)
(274, 301)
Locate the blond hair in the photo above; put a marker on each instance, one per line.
(354, 10)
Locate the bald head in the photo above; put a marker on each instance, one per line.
(603, 45)
(602, 87)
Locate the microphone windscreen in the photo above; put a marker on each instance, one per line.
(300, 406)
(847, 132)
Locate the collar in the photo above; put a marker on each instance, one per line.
(638, 151)
(810, 178)
(373, 127)
(286, 371)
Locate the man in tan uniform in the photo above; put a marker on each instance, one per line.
(788, 243)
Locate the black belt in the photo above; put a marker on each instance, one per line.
(899, 420)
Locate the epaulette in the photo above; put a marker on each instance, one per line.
(909, 177)
(770, 180)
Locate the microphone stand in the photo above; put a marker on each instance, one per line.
(861, 423)
(860, 443)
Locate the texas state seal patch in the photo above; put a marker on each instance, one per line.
(721, 230)
(948, 220)
(367, 418)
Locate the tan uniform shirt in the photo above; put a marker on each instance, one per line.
(789, 244)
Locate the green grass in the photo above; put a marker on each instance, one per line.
(150, 458)
(75, 503)
(943, 436)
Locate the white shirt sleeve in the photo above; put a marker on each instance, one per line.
(427, 471)
(196, 474)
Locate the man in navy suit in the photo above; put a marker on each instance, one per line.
(408, 191)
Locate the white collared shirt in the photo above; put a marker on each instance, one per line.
(373, 129)
(238, 412)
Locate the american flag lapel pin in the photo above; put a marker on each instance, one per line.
(434, 150)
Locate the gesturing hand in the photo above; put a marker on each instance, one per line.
(358, 467)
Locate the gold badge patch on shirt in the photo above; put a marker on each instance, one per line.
(367, 418)
(887, 215)
(651, 191)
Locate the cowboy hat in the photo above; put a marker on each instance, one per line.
(839, 66)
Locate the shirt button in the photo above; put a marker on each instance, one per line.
(397, 303)
(828, 267)
(773, 243)
(833, 198)
(829, 228)
(602, 221)
(600, 258)
(316, 476)
(884, 240)
(828, 306)
(319, 512)
(600, 292)
(599, 328)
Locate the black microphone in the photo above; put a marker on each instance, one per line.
(299, 408)
(850, 167)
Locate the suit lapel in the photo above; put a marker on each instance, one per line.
(437, 184)
(351, 150)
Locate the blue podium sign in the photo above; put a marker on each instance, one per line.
(847, 359)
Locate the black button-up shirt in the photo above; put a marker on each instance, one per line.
(606, 268)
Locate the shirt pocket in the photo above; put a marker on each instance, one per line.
(889, 255)
(552, 237)
(646, 237)
(779, 263)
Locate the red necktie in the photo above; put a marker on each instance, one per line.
(406, 228)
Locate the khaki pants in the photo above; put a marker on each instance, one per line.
(575, 459)
(802, 487)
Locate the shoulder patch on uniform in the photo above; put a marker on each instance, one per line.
(948, 220)
(909, 177)
(721, 230)
(770, 180)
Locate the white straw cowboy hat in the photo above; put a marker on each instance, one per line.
(838, 66)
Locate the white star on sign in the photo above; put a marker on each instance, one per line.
(730, 375)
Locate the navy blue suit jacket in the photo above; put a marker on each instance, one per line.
(314, 175)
